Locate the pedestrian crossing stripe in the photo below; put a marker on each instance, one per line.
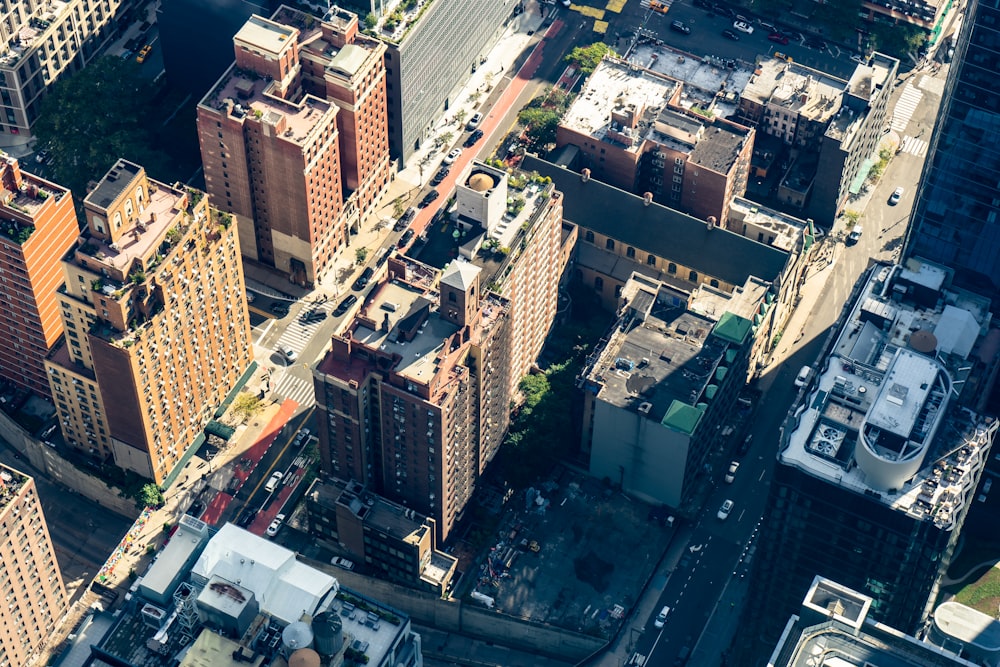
(905, 106)
(299, 390)
(298, 335)
(914, 146)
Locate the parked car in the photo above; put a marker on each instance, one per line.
(725, 510)
(452, 156)
(43, 156)
(440, 175)
(778, 37)
(745, 445)
(276, 525)
(362, 280)
(896, 195)
(743, 27)
(273, 481)
(428, 199)
(405, 219)
(731, 35)
(854, 235)
(144, 53)
(805, 374)
(681, 27)
(474, 122)
(405, 239)
(342, 307)
(473, 138)
(731, 473)
(342, 563)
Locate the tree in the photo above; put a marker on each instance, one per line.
(587, 57)
(93, 117)
(371, 20)
(245, 405)
(149, 496)
(360, 255)
(541, 125)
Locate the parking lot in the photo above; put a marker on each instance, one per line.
(596, 549)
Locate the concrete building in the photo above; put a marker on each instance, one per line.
(433, 48)
(879, 459)
(508, 225)
(413, 396)
(621, 234)
(956, 216)
(832, 126)
(392, 540)
(30, 581)
(966, 632)
(235, 598)
(154, 278)
(37, 226)
(659, 391)
(632, 132)
(832, 627)
(39, 42)
(294, 139)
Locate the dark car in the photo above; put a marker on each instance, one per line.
(405, 219)
(473, 138)
(311, 316)
(681, 27)
(429, 198)
(778, 38)
(362, 281)
(745, 445)
(440, 175)
(342, 307)
(731, 35)
(279, 308)
(816, 43)
(405, 239)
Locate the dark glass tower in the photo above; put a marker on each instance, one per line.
(956, 220)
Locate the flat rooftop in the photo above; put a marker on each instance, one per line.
(778, 229)
(264, 34)
(881, 417)
(808, 92)
(314, 39)
(31, 196)
(11, 482)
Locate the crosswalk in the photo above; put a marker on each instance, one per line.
(299, 390)
(297, 335)
(907, 104)
(914, 146)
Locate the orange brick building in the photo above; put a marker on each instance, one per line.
(37, 226)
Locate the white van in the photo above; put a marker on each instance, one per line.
(661, 618)
(273, 482)
(805, 374)
(855, 235)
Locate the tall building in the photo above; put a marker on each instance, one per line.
(30, 581)
(879, 458)
(294, 138)
(422, 84)
(413, 396)
(832, 627)
(631, 131)
(956, 216)
(37, 226)
(155, 277)
(39, 42)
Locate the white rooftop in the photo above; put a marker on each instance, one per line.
(285, 588)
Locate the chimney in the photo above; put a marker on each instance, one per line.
(647, 198)
(711, 222)
(585, 175)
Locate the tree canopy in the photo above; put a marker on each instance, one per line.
(541, 125)
(91, 118)
(587, 57)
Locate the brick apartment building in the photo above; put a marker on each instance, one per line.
(37, 226)
(30, 580)
(294, 138)
(413, 396)
(154, 279)
(39, 42)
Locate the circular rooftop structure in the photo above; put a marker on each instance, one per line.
(297, 635)
(304, 657)
(482, 182)
(923, 341)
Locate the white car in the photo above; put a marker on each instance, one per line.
(731, 473)
(896, 195)
(452, 156)
(861, 60)
(342, 563)
(276, 525)
(802, 379)
(725, 510)
(274, 481)
(661, 618)
(289, 354)
(743, 27)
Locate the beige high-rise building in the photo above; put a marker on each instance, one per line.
(40, 40)
(30, 582)
(156, 323)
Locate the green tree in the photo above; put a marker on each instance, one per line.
(360, 255)
(541, 125)
(371, 20)
(149, 496)
(95, 116)
(587, 57)
(245, 405)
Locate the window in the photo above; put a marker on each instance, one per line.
(609, 244)
(651, 260)
(630, 252)
(713, 282)
(599, 284)
(589, 237)
(671, 268)
(693, 276)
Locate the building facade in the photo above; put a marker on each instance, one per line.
(39, 42)
(30, 579)
(956, 216)
(37, 226)
(879, 458)
(413, 396)
(153, 280)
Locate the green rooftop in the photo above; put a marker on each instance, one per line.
(682, 417)
(733, 328)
